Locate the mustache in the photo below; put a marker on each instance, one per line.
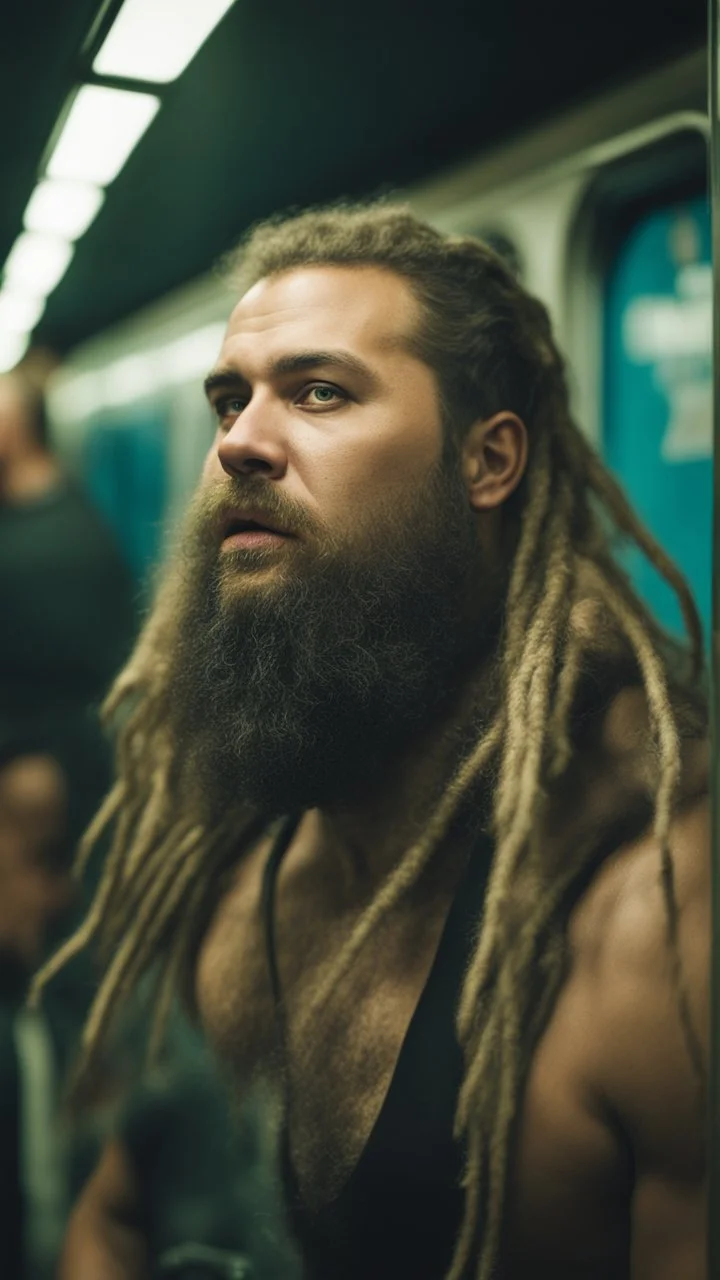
(212, 505)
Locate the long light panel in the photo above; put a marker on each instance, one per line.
(139, 375)
(154, 40)
(36, 263)
(12, 348)
(63, 208)
(19, 312)
(102, 128)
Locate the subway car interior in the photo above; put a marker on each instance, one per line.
(142, 139)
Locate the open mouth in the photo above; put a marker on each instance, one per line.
(241, 532)
(249, 526)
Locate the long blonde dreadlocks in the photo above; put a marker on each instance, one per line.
(491, 346)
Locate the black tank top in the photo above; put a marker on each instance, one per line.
(398, 1214)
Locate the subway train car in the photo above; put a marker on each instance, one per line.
(604, 213)
(601, 208)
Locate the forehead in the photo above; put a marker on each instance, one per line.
(367, 309)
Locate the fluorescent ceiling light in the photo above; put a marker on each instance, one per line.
(63, 208)
(131, 378)
(12, 348)
(19, 312)
(188, 357)
(103, 127)
(37, 262)
(72, 399)
(154, 40)
(139, 375)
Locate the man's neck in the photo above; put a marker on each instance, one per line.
(370, 834)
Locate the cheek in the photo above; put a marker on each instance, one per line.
(384, 468)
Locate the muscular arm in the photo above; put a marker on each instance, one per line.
(645, 1069)
(104, 1239)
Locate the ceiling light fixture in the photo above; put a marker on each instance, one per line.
(154, 40)
(37, 262)
(12, 349)
(63, 208)
(19, 312)
(103, 127)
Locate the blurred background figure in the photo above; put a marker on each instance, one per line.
(184, 1186)
(68, 620)
(65, 593)
(34, 882)
(35, 889)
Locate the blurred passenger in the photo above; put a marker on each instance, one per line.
(66, 597)
(183, 1188)
(68, 617)
(34, 880)
(35, 888)
(413, 788)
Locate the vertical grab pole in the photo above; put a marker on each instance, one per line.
(714, 1081)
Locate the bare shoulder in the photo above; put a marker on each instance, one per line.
(649, 991)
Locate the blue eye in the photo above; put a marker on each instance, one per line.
(323, 393)
(229, 406)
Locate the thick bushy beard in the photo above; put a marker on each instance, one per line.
(300, 691)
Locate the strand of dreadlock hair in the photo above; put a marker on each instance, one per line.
(471, 1027)
(131, 894)
(483, 1142)
(611, 494)
(169, 979)
(530, 589)
(127, 820)
(488, 1146)
(570, 669)
(104, 816)
(210, 863)
(528, 703)
(529, 692)
(477, 1153)
(487, 1129)
(519, 600)
(158, 800)
(139, 943)
(501, 1061)
(670, 769)
(89, 927)
(82, 937)
(473, 1030)
(508, 1071)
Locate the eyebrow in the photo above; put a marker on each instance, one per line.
(298, 362)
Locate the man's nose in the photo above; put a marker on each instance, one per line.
(254, 443)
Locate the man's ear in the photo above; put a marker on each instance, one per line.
(494, 458)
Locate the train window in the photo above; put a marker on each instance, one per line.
(125, 468)
(657, 397)
(652, 227)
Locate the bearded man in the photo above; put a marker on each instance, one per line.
(412, 789)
